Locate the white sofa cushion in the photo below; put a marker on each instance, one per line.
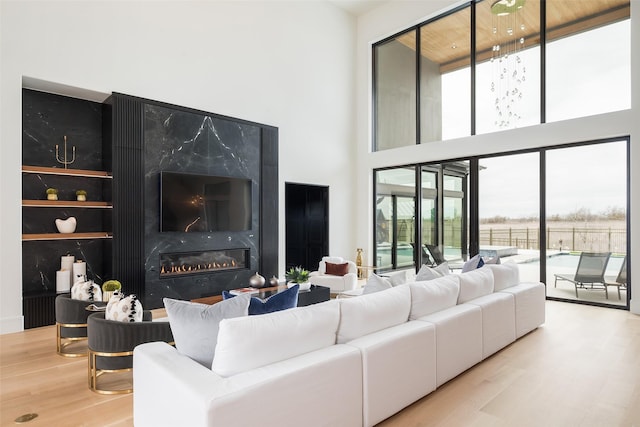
(433, 295)
(530, 304)
(370, 313)
(458, 340)
(504, 275)
(498, 321)
(195, 326)
(246, 343)
(475, 284)
(389, 387)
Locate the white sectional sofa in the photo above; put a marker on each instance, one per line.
(345, 362)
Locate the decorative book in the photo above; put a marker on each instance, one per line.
(241, 291)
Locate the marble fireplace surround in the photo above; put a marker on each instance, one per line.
(178, 139)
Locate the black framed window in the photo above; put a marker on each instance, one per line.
(493, 65)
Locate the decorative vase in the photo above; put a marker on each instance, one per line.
(274, 281)
(359, 263)
(305, 286)
(106, 295)
(66, 226)
(256, 281)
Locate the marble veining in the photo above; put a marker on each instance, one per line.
(183, 141)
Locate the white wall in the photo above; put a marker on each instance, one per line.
(282, 63)
(398, 15)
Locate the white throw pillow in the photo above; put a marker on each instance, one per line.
(374, 312)
(504, 275)
(246, 343)
(86, 291)
(474, 284)
(472, 264)
(376, 283)
(195, 326)
(430, 273)
(397, 277)
(494, 260)
(123, 308)
(434, 295)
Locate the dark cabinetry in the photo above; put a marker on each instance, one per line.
(47, 119)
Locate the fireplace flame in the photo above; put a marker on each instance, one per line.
(174, 264)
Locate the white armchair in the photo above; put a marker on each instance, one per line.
(336, 283)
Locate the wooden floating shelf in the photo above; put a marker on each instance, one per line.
(66, 172)
(67, 236)
(65, 204)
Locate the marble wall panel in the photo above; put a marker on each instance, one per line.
(47, 118)
(190, 142)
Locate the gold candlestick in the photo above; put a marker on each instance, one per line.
(64, 161)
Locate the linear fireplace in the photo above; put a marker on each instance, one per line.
(209, 261)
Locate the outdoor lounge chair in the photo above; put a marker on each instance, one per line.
(590, 272)
(436, 255)
(621, 280)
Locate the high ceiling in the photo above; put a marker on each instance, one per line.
(447, 41)
(358, 7)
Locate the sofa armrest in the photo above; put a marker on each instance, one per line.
(172, 390)
(336, 283)
(164, 379)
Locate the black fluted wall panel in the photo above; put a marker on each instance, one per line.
(269, 202)
(128, 193)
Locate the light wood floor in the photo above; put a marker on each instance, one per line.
(582, 368)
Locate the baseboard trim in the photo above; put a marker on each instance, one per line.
(9, 325)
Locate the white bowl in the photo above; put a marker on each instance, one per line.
(66, 226)
(303, 286)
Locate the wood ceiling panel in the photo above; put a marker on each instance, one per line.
(447, 41)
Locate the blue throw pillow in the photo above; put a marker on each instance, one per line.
(280, 301)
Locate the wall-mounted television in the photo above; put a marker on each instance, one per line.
(204, 203)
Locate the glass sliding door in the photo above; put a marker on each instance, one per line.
(444, 213)
(453, 214)
(509, 194)
(395, 216)
(586, 200)
(429, 211)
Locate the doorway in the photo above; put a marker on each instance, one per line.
(306, 225)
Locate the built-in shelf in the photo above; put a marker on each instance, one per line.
(66, 172)
(67, 236)
(65, 204)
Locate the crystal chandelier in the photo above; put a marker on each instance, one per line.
(508, 70)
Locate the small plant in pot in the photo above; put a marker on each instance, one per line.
(108, 288)
(300, 276)
(81, 195)
(52, 194)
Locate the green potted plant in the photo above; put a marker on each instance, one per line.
(52, 194)
(81, 195)
(108, 288)
(298, 275)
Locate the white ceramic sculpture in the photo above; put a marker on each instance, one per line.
(66, 226)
